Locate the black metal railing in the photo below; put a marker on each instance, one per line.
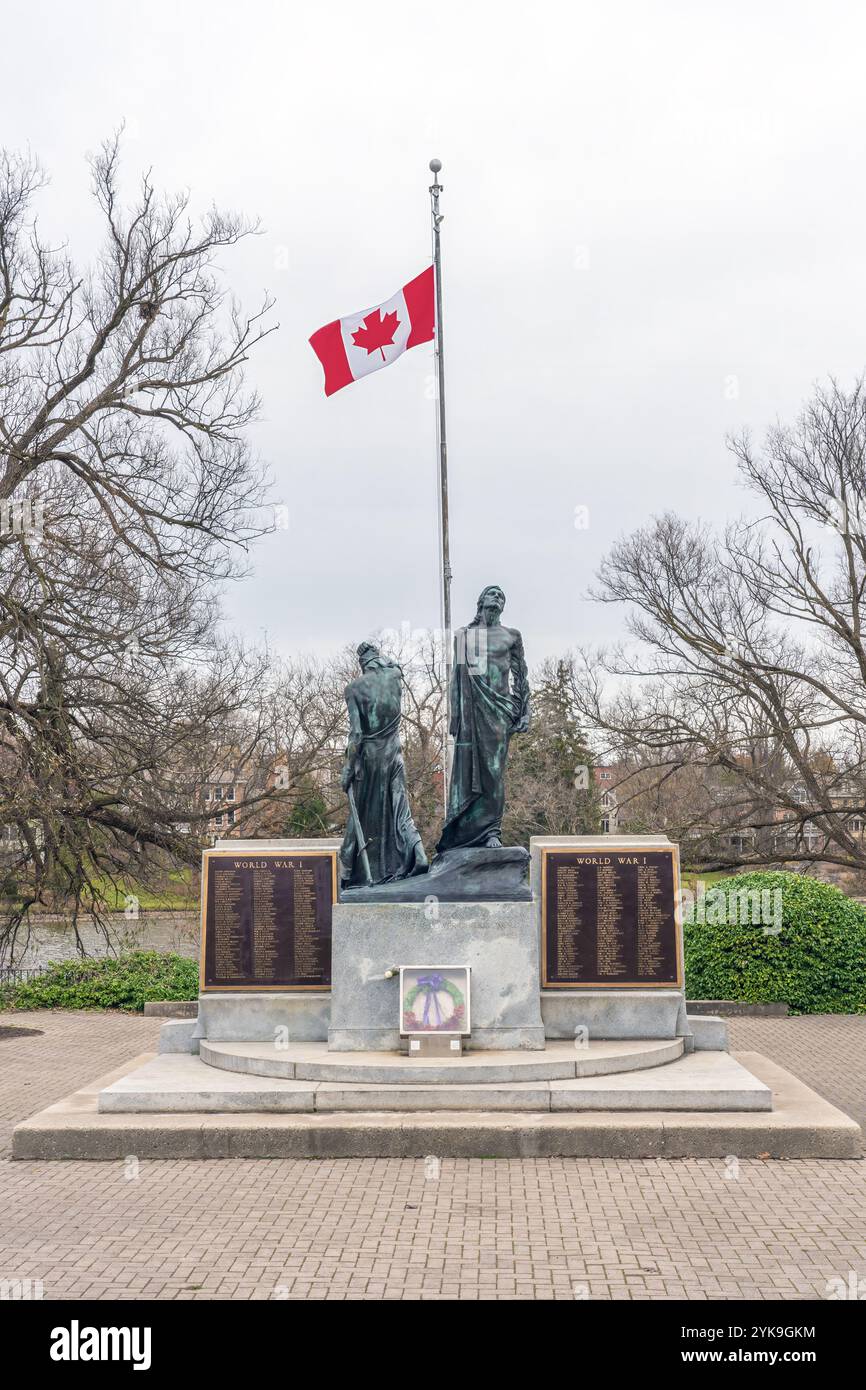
(16, 975)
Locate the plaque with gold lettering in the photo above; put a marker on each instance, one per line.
(266, 919)
(610, 918)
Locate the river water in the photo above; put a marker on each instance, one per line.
(52, 938)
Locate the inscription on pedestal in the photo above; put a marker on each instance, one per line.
(266, 919)
(609, 919)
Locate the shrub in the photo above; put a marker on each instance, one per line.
(126, 982)
(816, 963)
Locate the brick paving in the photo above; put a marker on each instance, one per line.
(826, 1051)
(425, 1229)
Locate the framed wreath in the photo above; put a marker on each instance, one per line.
(434, 1004)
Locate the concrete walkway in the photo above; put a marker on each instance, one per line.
(425, 1228)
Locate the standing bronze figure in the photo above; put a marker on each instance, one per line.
(489, 703)
(381, 842)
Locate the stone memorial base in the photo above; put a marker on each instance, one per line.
(706, 1105)
(560, 1070)
(615, 1013)
(498, 941)
(301, 1016)
(231, 1078)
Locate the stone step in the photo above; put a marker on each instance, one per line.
(706, 1081)
(713, 1081)
(560, 1061)
(181, 1084)
(800, 1125)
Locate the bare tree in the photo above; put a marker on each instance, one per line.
(306, 728)
(130, 377)
(304, 733)
(749, 660)
(424, 680)
(127, 493)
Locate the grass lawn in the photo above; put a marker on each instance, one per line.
(690, 877)
(179, 893)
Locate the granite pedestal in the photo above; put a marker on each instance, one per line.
(498, 941)
(257, 1017)
(615, 1013)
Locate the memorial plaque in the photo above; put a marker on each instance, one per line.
(610, 918)
(266, 919)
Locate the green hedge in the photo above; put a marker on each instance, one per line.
(126, 982)
(816, 963)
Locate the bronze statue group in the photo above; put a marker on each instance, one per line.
(489, 702)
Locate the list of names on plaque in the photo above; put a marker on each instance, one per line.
(609, 918)
(267, 921)
(305, 939)
(650, 921)
(569, 906)
(610, 934)
(228, 938)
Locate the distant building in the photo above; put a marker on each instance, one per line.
(605, 780)
(13, 843)
(222, 794)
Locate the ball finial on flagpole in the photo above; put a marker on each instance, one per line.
(435, 166)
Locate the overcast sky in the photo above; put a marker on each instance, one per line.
(654, 235)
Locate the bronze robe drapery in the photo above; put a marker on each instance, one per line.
(379, 783)
(489, 698)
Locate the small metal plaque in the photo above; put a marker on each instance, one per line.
(433, 1045)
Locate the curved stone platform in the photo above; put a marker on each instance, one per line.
(800, 1125)
(701, 1081)
(560, 1061)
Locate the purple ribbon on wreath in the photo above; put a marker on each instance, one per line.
(432, 985)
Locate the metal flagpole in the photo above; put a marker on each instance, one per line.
(445, 558)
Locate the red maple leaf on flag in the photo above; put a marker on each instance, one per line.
(378, 332)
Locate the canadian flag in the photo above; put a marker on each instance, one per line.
(361, 343)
